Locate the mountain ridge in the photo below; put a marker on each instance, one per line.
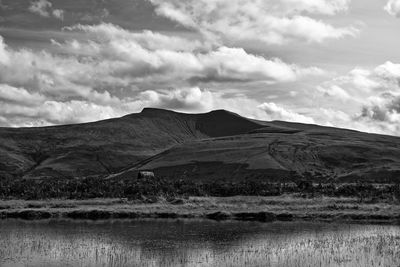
(213, 145)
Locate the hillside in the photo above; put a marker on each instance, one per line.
(107, 146)
(319, 155)
(218, 145)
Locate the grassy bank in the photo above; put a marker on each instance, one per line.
(284, 208)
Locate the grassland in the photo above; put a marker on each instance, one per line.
(97, 198)
(251, 208)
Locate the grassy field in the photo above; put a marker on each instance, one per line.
(284, 208)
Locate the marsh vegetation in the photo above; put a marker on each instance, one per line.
(196, 243)
(132, 188)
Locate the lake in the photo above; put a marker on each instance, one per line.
(196, 243)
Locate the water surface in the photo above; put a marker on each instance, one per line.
(196, 243)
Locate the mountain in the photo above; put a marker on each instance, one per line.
(216, 145)
(107, 146)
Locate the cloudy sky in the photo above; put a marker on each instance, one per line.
(330, 62)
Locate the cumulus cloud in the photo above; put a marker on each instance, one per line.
(277, 112)
(40, 7)
(30, 79)
(58, 13)
(334, 91)
(19, 107)
(393, 7)
(372, 95)
(194, 99)
(52, 112)
(270, 22)
(45, 111)
(107, 66)
(361, 82)
(61, 77)
(44, 8)
(312, 6)
(383, 111)
(140, 55)
(187, 99)
(19, 95)
(107, 32)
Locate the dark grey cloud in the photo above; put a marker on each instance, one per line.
(43, 14)
(386, 109)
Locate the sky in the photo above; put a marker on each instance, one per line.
(328, 62)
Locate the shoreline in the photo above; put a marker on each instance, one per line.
(240, 208)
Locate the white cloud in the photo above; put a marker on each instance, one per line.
(45, 111)
(75, 111)
(107, 32)
(51, 75)
(334, 91)
(44, 8)
(122, 71)
(388, 71)
(194, 99)
(4, 58)
(372, 98)
(19, 95)
(393, 7)
(202, 100)
(277, 112)
(190, 99)
(58, 13)
(355, 89)
(175, 58)
(363, 82)
(40, 7)
(266, 21)
(324, 7)
(92, 70)
(56, 112)
(19, 107)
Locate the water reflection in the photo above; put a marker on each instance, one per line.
(196, 243)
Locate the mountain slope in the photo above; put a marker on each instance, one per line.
(107, 146)
(320, 153)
